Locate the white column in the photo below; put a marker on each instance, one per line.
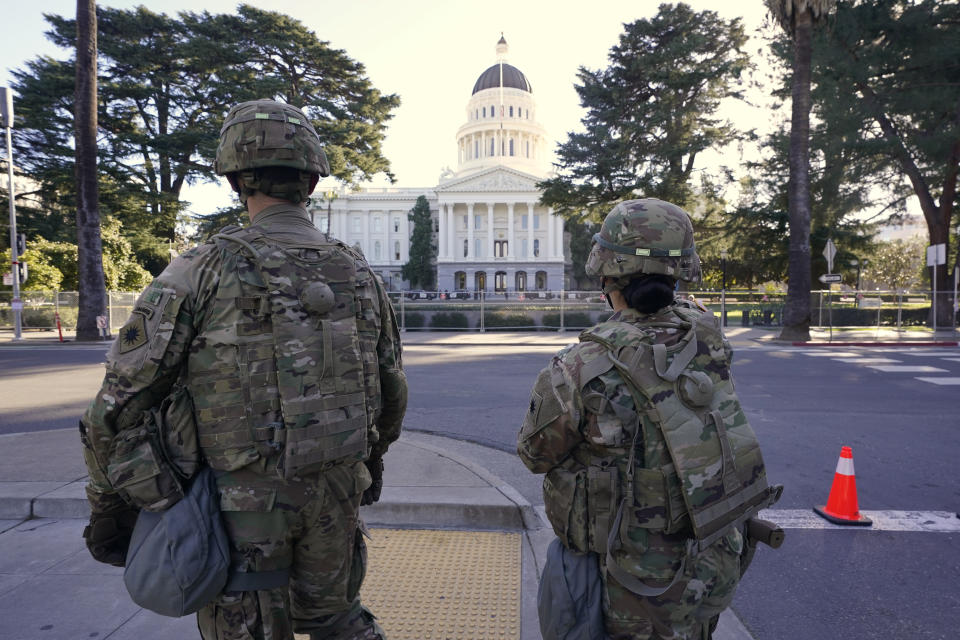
(442, 239)
(559, 242)
(490, 252)
(405, 239)
(366, 248)
(511, 249)
(530, 231)
(551, 236)
(470, 225)
(451, 234)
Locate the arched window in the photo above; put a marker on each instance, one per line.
(500, 281)
(511, 111)
(480, 281)
(521, 279)
(511, 146)
(460, 280)
(541, 280)
(500, 248)
(484, 112)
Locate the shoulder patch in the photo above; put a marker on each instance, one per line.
(133, 334)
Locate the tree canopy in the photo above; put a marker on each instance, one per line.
(651, 112)
(166, 82)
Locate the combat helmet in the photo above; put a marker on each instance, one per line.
(644, 236)
(267, 133)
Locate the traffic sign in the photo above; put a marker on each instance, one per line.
(829, 252)
(830, 277)
(936, 254)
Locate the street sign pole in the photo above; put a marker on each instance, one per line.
(956, 306)
(936, 255)
(6, 106)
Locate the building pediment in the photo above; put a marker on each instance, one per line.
(494, 179)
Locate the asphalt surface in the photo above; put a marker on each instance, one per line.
(851, 584)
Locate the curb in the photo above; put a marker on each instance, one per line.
(498, 506)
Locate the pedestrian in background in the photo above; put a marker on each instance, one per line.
(275, 348)
(652, 471)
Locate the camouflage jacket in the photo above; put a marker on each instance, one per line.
(173, 330)
(581, 424)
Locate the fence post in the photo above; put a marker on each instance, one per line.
(562, 295)
(482, 295)
(899, 307)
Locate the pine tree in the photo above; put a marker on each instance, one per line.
(420, 270)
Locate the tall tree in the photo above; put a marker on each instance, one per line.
(650, 113)
(92, 289)
(420, 268)
(898, 59)
(797, 18)
(166, 84)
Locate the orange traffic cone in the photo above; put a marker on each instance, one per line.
(842, 506)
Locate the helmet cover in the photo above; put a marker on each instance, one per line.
(647, 236)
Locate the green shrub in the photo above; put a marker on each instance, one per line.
(413, 320)
(38, 317)
(449, 320)
(851, 317)
(571, 320)
(506, 320)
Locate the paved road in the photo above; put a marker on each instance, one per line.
(803, 403)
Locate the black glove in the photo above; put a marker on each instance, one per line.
(108, 535)
(375, 467)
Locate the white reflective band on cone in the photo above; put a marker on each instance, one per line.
(845, 466)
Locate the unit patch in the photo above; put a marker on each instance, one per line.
(133, 334)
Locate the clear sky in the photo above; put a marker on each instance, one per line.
(430, 52)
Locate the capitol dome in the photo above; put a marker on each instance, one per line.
(512, 78)
(502, 127)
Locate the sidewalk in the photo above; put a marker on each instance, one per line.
(51, 589)
(739, 337)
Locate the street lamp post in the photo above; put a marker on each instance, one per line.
(723, 287)
(6, 119)
(856, 263)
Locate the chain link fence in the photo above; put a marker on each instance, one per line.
(41, 309)
(543, 310)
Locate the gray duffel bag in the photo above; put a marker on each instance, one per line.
(179, 559)
(570, 597)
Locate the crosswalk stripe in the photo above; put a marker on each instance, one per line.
(941, 381)
(929, 521)
(893, 368)
(869, 360)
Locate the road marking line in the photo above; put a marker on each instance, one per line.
(951, 359)
(868, 360)
(835, 354)
(931, 354)
(905, 369)
(941, 381)
(928, 521)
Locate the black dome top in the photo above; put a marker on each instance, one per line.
(512, 77)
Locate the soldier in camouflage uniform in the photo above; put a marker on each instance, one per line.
(649, 460)
(274, 356)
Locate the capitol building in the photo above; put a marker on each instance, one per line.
(490, 232)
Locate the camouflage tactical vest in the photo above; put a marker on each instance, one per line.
(279, 372)
(702, 465)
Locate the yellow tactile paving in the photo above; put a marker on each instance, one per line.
(444, 585)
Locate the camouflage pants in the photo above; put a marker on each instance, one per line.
(310, 525)
(689, 610)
